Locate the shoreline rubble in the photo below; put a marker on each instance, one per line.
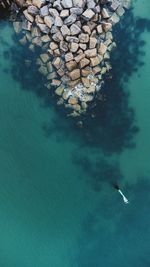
(76, 40)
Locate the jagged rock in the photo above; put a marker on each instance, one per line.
(65, 30)
(38, 3)
(88, 14)
(57, 62)
(56, 52)
(72, 39)
(95, 18)
(74, 29)
(79, 3)
(86, 81)
(39, 19)
(64, 46)
(76, 10)
(90, 53)
(120, 11)
(53, 45)
(105, 13)
(72, 84)
(92, 43)
(84, 38)
(102, 49)
(99, 29)
(64, 13)
(71, 19)
(57, 37)
(49, 21)
(44, 11)
(74, 47)
(73, 100)
(91, 4)
(43, 28)
(57, 5)
(68, 57)
(79, 57)
(115, 4)
(80, 51)
(107, 26)
(75, 74)
(71, 65)
(59, 90)
(17, 26)
(96, 69)
(56, 82)
(33, 10)
(35, 32)
(49, 66)
(91, 25)
(53, 12)
(58, 21)
(61, 72)
(85, 72)
(37, 41)
(94, 61)
(97, 9)
(28, 16)
(67, 3)
(26, 25)
(83, 46)
(86, 29)
(45, 38)
(44, 57)
(84, 62)
(114, 18)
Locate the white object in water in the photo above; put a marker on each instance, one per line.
(126, 201)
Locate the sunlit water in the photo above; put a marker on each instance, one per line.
(57, 204)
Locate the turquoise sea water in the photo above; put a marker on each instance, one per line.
(57, 204)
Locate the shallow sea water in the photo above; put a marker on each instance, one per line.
(57, 204)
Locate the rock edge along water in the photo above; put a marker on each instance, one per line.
(76, 40)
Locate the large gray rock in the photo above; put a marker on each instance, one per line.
(75, 30)
(65, 30)
(88, 14)
(91, 4)
(57, 5)
(71, 19)
(53, 12)
(79, 3)
(33, 10)
(76, 10)
(44, 11)
(67, 3)
(43, 28)
(49, 21)
(38, 3)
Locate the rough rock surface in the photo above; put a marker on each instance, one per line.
(75, 37)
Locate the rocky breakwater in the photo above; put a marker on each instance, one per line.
(76, 40)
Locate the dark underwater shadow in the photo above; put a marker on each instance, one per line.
(110, 124)
(118, 235)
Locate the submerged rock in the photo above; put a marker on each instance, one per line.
(75, 37)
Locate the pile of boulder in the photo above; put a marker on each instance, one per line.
(76, 40)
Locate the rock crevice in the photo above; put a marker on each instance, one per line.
(76, 39)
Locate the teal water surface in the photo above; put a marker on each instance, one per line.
(57, 204)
